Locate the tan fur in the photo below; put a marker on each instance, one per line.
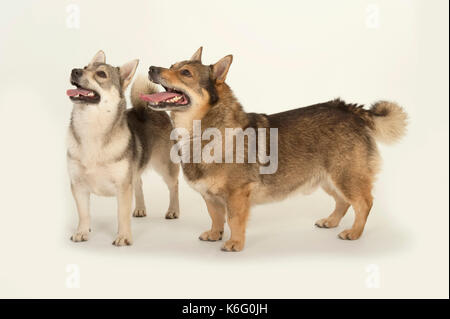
(391, 126)
(217, 213)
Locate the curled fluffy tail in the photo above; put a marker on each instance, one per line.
(389, 121)
(141, 85)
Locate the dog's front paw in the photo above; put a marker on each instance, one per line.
(350, 234)
(123, 240)
(211, 235)
(80, 235)
(139, 212)
(233, 245)
(172, 214)
(327, 223)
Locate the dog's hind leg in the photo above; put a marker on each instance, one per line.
(340, 209)
(171, 179)
(139, 210)
(361, 205)
(169, 171)
(357, 188)
(81, 196)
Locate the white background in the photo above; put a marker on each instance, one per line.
(287, 54)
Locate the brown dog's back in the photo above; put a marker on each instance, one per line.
(331, 140)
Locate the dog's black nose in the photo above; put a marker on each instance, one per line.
(153, 70)
(153, 73)
(76, 73)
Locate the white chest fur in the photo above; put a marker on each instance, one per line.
(95, 152)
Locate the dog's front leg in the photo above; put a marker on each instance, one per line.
(81, 196)
(217, 212)
(124, 201)
(238, 208)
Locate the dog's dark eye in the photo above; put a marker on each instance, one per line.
(101, 74)
(185, 72)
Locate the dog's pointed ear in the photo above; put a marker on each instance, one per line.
(127, 72)
(220, 69)
(99, 57)
(197, 55)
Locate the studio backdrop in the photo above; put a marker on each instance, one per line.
(286, 54)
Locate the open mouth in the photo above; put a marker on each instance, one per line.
(170, 98)
(83, 94)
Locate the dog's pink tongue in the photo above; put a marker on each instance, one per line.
(158, 97)
(75, 92)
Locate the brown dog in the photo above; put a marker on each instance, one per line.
(331, 145)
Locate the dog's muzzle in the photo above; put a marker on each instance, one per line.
(76, 74)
